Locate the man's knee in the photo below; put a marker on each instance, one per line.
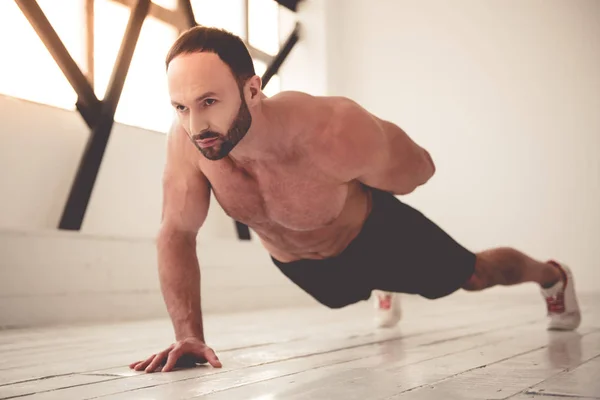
(482, 276)
(475, 283)
(489, 273)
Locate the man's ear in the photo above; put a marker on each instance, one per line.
(253, 90)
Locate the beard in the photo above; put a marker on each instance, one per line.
(226, 143)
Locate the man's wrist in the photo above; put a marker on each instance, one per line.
(190, 332)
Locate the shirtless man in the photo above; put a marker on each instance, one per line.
(315, 178)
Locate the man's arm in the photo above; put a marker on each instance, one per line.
(375, 152)
(186, 197)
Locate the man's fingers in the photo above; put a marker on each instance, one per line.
(212, 358)
(172, 359)
(157, 361)
(177, 355)
(144, 364)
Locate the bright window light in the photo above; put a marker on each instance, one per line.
(226, 14)
(144, 101)
(263, 30)
(170, 4)
(110, 21)
(28, 71)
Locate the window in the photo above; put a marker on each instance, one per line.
(263, 26)
(226, 14)
(110, 21)
(169, 4)
(23, 50)
(144, 101)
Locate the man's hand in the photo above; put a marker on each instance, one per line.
(185, 353)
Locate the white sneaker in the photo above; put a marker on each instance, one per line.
(561, 301)
(387, 309)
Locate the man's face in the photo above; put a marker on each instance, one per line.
(209, 103)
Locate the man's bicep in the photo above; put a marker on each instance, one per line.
(376, 152)
(357, 145)
(186, 200)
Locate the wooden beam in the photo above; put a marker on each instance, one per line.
(81, 191)
(170, 17)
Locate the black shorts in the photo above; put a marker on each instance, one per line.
(398, 250)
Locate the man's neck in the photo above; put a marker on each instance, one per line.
(261, 142)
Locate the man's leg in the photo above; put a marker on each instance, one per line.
(506, 266)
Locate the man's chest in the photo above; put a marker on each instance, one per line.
(294, 196)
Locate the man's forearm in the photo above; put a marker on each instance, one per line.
(179, 275)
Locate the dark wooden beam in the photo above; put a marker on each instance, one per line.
(87, 173)
(285, 50)
(289, 4)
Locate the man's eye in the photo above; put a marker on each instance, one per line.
(209, 102)
(180, 108)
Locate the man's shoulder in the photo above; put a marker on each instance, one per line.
(319, 112)
(292, 97)
(177, 139)
(332, 131)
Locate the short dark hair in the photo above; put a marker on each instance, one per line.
(229, 47)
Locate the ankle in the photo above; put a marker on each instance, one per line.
(551, 275)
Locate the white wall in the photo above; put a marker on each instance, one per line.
(40, 149)
(506, 97)
(305, 68)
(65, 277)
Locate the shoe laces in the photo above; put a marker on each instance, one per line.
(556, 303)
(385, 302)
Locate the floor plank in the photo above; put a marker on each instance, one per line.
(390, 375)
(229, 332)
(581, 381)
(247, 366)
(320, 367)
(480, 341)
(565, 350)
(524, 396)
(50, 384)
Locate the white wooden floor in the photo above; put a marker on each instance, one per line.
(490, 345)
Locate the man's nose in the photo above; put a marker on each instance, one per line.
(197, 125)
